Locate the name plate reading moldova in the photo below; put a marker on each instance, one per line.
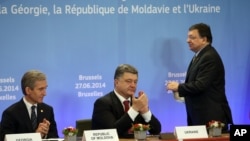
(239, 132)
(191, 132)
(23, 137)
(101, 135)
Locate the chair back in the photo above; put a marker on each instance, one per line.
(83, 124)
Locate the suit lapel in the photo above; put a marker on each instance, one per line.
(190, 67)
(117, 106)
(26, 116)
(193, 64)
(40, 113)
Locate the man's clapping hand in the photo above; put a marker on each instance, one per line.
(140, 104)
(43, 128)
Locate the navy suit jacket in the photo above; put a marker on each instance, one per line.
(16, 119)
(108, 113)
(204, 89)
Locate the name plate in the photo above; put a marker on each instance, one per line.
(191, 132)
(100, 135)
(23, 137)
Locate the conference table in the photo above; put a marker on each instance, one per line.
(171, 137)
(224, 137)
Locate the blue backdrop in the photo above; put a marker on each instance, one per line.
(79, 43)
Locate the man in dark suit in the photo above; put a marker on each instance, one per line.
(204, 87)
(18, 117)
(109, 111)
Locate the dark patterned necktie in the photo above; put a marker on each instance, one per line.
(126, 105)
(194, 58)
(33, 117)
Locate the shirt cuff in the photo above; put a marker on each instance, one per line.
(132, 113)
(147, 116)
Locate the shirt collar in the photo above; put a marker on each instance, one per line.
(196, 54)
(28, 105)
(120, 97)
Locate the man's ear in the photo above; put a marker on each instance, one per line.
(204, 39)
(115, 81)
(27, 90)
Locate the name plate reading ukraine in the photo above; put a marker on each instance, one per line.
(23, 137)
(101, 135)
(191, 132)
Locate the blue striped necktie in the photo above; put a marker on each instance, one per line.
(33, 117)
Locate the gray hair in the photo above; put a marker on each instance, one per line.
(29, 79)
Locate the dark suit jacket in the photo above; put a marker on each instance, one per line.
(15, 119)
(204, 89)
(108, 113)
